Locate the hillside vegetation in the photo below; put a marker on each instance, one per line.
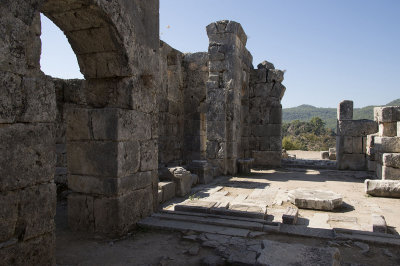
(328, 115)
(309, 136)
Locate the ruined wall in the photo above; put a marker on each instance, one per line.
(114, 174)
(351, 139)
(68, 93)
(266, 92)
(170, 101)
(229, 68)
(383, 147)
(196, 75)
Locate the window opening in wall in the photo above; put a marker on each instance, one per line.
(57, 59)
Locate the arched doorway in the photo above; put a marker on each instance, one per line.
(111, 121)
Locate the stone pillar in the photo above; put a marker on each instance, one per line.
(227, 57)
(351, 139)
(266, 94)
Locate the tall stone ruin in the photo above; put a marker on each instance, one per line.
(142, 105)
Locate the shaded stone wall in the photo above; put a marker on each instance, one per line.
(266, 93)
(171, 107)
(195, 78)
(112, 163)
(351, 139)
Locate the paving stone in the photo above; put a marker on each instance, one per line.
(378, 224)
(280, 254)
(315, 199)
(382, 188)
(195, 206)
(290, 215)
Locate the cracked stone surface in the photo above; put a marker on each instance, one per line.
(315, 199)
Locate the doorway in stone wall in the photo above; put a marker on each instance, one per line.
(103, 121)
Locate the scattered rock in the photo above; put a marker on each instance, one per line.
(387, 253)
(363, 246)
(194, 250)
(212, 260)
(190, 237)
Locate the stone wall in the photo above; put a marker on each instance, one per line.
(196, 75)
(170, 101)
(229, 69)
(383, 147)
(351, 140)
(266, 93)
(113, 175)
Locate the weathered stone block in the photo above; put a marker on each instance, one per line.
(378, 224)
(290, 215)
(390, 173)
(345, 110)
(168, 190)
(386, 114)
(10, 96)
(245, 165)
(387, 144)
(78, 124)
(324, 155)
(388, 129)
(39, 101)
(111, 216)
(110, 186)
(103, 158)
(352, 162)
(315, 199)
(277, 253)
(203, 170)
(267, 158)
(35, 251)
(391, 159)
(348, 144)
(357, 128)
(28, 155)
(120, 124)
(180, 176)
(398, 129)
(358, 145)
(118, 215)
(382, 188)
(148, 155)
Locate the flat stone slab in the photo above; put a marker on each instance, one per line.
(195, 206)
(383, 188)
(315, 199)
(278, 253)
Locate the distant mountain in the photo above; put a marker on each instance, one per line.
(328, 115)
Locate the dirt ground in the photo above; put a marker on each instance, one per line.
(143, 247)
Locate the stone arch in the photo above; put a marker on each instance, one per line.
(93, 36)
(113, 140)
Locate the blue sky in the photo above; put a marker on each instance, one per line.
(331, 50)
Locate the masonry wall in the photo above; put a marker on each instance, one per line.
(170, 100)
(265, 113)
(112, 174)
(383, 147)
(351, 140)
(194, 94)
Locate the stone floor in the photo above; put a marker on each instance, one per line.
(216, 243)
(269, 189)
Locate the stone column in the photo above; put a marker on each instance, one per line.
(351, 139)
(226, 50)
